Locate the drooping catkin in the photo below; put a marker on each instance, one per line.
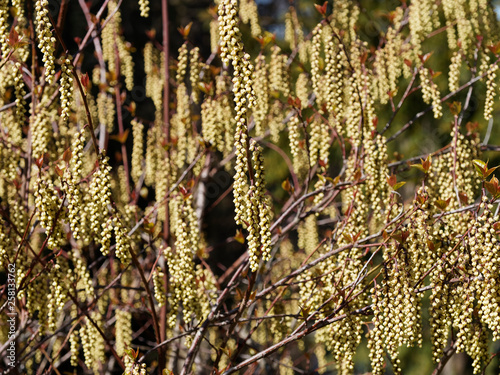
(454, 75)
(430, 92)
(20, 92)
(137, 150)
(278, 72)
(50, 212)
(45, 39)
(77, 215)
(298, 153)
(123, 331)
(182, 65)
(144, 8)
(106, 110)
(66, 89)
(258, 212)
(100, 191)
(159, 287)
(123, 245)
(153, 61)
(58, 293)
(181, 264)
(152, 156)
(244, 96)
(214, 34)
(261, 80)
(491, 91)
(212, 128)
(5, 243)
(194, 73)
(92, 341)
(181, 126)
(302, 89)
(114, 43)
(4, 25)
(41, 124)
(83, 278)
(249, 14)
(74, 344)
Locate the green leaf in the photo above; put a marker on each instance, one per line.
(419, 166)
(130, 353)
(480, 166)
(398, 185)
(489, 171)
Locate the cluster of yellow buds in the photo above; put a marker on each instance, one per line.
(45, 39)
(194, 73)
(454, 74)
(249, 14)
(5, 243)
(144, 7)
(261, 87)
(20, 92)
(92, 342)
(106, 110)
(100, 191)
(160, 293)
(113, 43)
(491, 91)
(57, 295)
(123, 246)
(123, 331)
(4, 25)
(137, 150)
(181, 264)
(244, 96)
(77, 216)
(66, 89)
(278, 72)
(258, 212)
(430, 92)
(50, 212)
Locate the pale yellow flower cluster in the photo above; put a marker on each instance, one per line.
(159, 285)
(92, 342)
(66, 89)
(115, 48)
(46, 41)
(430, 92)
(181, 265)
(261, 86)
(4, 26)
(144, 8)
(137, 150)
(123, 333)
(249, 14)
(50, 212)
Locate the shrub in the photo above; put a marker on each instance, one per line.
(117, 238)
